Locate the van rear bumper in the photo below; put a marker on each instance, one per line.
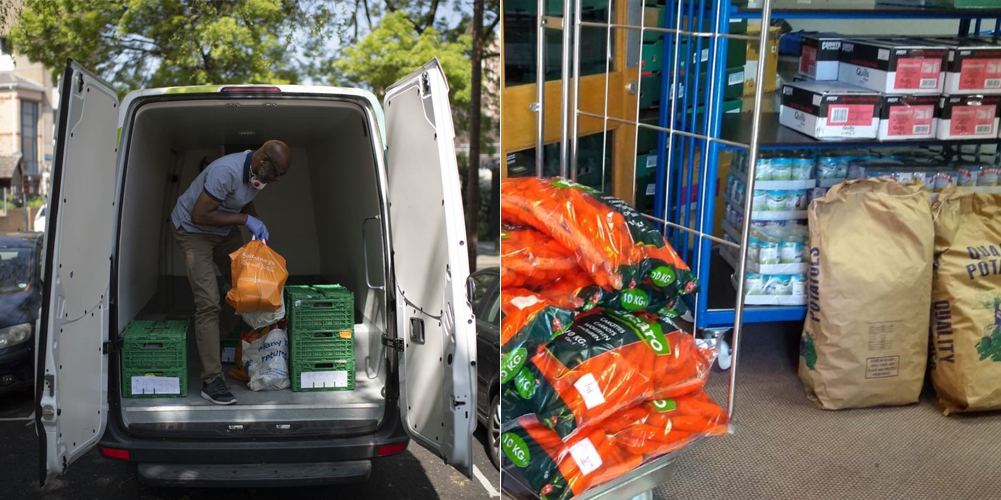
(236, 451)
(254, 475)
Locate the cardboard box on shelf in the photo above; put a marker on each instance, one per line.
(893, 66)
(830, 110)
(820, 57)
(908, 117)
(771, 61)
(973, 66)
(968, 117)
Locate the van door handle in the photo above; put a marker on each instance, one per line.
(364, 252)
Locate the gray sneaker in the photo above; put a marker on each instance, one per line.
(218, 393)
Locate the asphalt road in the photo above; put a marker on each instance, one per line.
(413, 474)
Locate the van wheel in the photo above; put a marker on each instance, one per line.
(493, 432)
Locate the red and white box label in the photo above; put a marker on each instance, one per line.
(855, 115)
(980, 74)
(808, 61)
(918, 74)
(910, 121)
(973, 121)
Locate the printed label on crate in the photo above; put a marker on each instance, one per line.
(856, 115)
(156, 385)
(975, 120)
(345, 334)
(228, 355)
(980, 74)
(918, 74)
(319, 380)
(915, 120)
(585, 456)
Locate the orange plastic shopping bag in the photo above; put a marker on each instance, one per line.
(259, 275)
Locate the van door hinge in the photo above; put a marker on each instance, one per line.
(425, 85)
(113, 346)
(392, 343)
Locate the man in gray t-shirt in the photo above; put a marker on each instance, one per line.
(221, 197)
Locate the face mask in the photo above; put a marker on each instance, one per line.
(257, 182)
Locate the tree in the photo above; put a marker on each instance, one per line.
(140, 43)
(475, 112)
(393, 50)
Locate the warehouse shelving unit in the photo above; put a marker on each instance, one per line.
(679, 176)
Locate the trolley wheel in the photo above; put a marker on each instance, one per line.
(723, 355)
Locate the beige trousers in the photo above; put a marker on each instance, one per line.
(214, 318)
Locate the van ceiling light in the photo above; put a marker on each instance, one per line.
(247, 132)
(254, 89)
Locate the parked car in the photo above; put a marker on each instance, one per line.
(372, 203)
(20, 298)
(39, 224)
(486, 305)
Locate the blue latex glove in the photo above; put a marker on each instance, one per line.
(257, 228)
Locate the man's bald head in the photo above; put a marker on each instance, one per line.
(279, 154)
(271, 161)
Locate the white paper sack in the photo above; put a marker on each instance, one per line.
(266, 361)
(260, 319)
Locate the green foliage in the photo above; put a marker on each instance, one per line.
(393, 49)
(36, 201)
(141, 43)
(808, 350)
(990, 346)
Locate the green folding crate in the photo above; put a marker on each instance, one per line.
(152, 345)
(157, 349)
(652, 54)
(319, 307)
(323, 375)
(650, 91)
(320, 345)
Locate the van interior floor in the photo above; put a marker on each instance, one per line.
(364, 405)
(784, 447)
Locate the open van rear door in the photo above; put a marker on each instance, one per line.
(435, 321)
(72, 371)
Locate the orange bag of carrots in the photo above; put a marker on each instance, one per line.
(608, 360)
(536, 457)
(532, 259)
(259, 275)
(610, 239)
(528, 322)
(658, 427)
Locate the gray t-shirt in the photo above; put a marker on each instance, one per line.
(226, 180)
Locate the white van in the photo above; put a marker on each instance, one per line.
(372, 203)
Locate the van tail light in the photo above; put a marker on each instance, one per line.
(253, 89)
(116, 454)
(391, 449)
